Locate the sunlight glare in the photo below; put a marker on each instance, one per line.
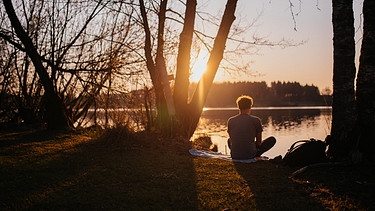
(198, 65)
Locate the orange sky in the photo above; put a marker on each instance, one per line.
(310, 63)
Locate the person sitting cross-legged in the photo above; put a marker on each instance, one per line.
(245, 132)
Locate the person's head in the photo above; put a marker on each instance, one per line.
(244, 102)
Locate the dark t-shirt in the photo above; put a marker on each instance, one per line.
(242, 130)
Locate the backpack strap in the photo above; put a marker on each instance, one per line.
(297, 142)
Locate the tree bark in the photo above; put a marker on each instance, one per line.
(151, 67)
(343, 106)
(55, 110)
(187, 114)
(181, 85)
(204, 84)
(365, 94)
(160, 61)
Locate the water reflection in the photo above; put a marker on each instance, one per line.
(286, 124)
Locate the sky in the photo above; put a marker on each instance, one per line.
(310, 63)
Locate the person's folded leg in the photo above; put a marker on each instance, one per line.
(266, 145)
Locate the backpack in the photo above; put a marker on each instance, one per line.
(306, 152)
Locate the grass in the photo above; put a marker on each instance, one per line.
(119, 171)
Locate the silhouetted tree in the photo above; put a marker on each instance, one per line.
(343, 106)
(365, 87)
(353, 114)
(55, 110)
(64, 53)
(186, 114)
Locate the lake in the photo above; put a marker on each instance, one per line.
(286, 124)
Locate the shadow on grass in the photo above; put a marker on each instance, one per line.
(93, 175)
(273, 189)
(342, 187)
(14, 138)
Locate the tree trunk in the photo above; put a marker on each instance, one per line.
(343, 106)
(55, 110)
(181, 85)
(187, 114)
(161, 103)
(366, 83)
(204, 84)
(161, 67)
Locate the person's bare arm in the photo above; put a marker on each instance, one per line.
(258, 138)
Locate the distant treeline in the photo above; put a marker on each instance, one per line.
(278, 94)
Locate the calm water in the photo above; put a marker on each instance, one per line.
(287, 124)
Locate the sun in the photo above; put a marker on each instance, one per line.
(198, 66)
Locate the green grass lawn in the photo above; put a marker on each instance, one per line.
(75, 171)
